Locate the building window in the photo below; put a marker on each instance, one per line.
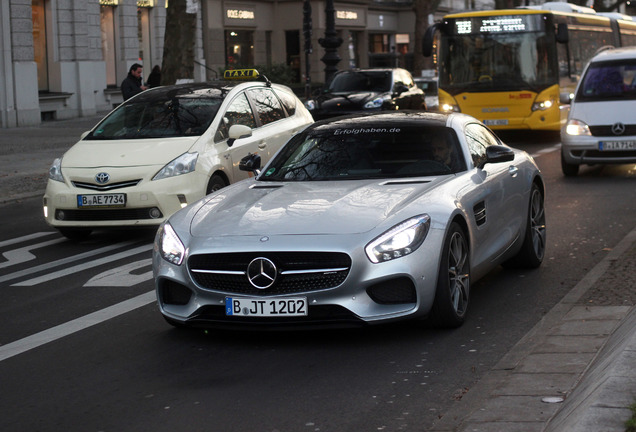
(39, 43)
(379, 43)
(239, 48)
(107, 18)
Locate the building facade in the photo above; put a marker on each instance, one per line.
(67, 58)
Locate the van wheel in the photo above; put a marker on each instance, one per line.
(568, 169)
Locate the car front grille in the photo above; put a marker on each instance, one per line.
(606, 131)
(102, 188)
(296, 271)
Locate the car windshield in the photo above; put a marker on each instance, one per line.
(355, 153)
(160, 114)
(615, 80)
(359, 81)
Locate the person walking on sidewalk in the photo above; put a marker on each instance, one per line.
(132, 84)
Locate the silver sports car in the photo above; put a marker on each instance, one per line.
(356, 220)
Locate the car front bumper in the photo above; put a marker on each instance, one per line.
(587, 150)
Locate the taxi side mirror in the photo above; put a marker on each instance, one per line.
(238, 131)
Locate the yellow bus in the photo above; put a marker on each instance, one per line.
(516, 68)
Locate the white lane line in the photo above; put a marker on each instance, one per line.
(25, 238)
(546, 150)
(78, 268)
(63, 261)
(28, 343)
(23, 254)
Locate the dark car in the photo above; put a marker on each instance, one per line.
(367, 90)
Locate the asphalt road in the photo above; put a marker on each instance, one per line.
(104, 360)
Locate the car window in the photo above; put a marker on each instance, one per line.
(288, 100)
(267, 105)
(356, 81)
(609, 80)
(238, 112)
(478, 139)
(359, 153)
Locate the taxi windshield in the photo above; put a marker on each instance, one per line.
(360, 153)
(161, 114)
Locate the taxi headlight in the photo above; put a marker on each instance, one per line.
(55, 172)
(577, 128)
(400, 240)
(181, 165)
(310, 105)
(169, 245)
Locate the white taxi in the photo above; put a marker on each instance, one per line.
(165, 148)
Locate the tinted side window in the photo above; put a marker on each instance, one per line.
(267, 105)
(288, 100)
(478, 138)
(239, 112)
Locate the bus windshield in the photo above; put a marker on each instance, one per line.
(474, 57)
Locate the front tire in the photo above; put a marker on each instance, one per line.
(569, 170)
(216, 182)
(453, 281)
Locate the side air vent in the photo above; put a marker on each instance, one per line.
(480, 213)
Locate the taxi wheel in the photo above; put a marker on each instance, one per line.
(453, 281)
(216, 182)
(75, 234)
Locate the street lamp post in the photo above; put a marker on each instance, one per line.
(331, 42)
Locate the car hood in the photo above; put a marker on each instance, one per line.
(310, 208)
(123, 153)
(603, 113)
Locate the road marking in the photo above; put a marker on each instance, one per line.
(78, 268)
(28, 343)
(546, 150)
(23, 254)
(122, 276)
(25, 238)
(63, 261)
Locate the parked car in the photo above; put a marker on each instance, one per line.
(367, 90)
(167, 147)
(357, 220)
(601, 126)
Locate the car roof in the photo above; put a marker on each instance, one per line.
(615, 54)
(202, 90)
(381, 120)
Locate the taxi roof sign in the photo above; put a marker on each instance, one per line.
(241, 74)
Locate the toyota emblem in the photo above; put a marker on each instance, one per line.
(102, 178)
(261, 273)
(618, 128)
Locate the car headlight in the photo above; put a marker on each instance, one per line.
(542, 106)
(55, 172)
(181, 165)
(450, 108)
(310, 105)
(577, 127)
(400, 240)
(170, 247)
(376, 103)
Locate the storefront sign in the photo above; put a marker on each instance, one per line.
(108, 2)
(146, 3)
(346, 15)
(240, 14)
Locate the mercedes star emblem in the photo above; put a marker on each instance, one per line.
(261, 273)
(618, 128)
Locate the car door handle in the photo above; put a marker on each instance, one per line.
(262, 146)
(513, 171)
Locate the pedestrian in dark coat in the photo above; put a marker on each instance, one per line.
(132, 84)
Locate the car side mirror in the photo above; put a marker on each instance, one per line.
(400, 88)
(250, 163)
(498, 154)
(238, 131)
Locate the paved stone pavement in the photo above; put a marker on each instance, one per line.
(575, 371)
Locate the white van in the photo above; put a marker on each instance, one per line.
(601, 126)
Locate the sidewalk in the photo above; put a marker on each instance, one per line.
(575, 371)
